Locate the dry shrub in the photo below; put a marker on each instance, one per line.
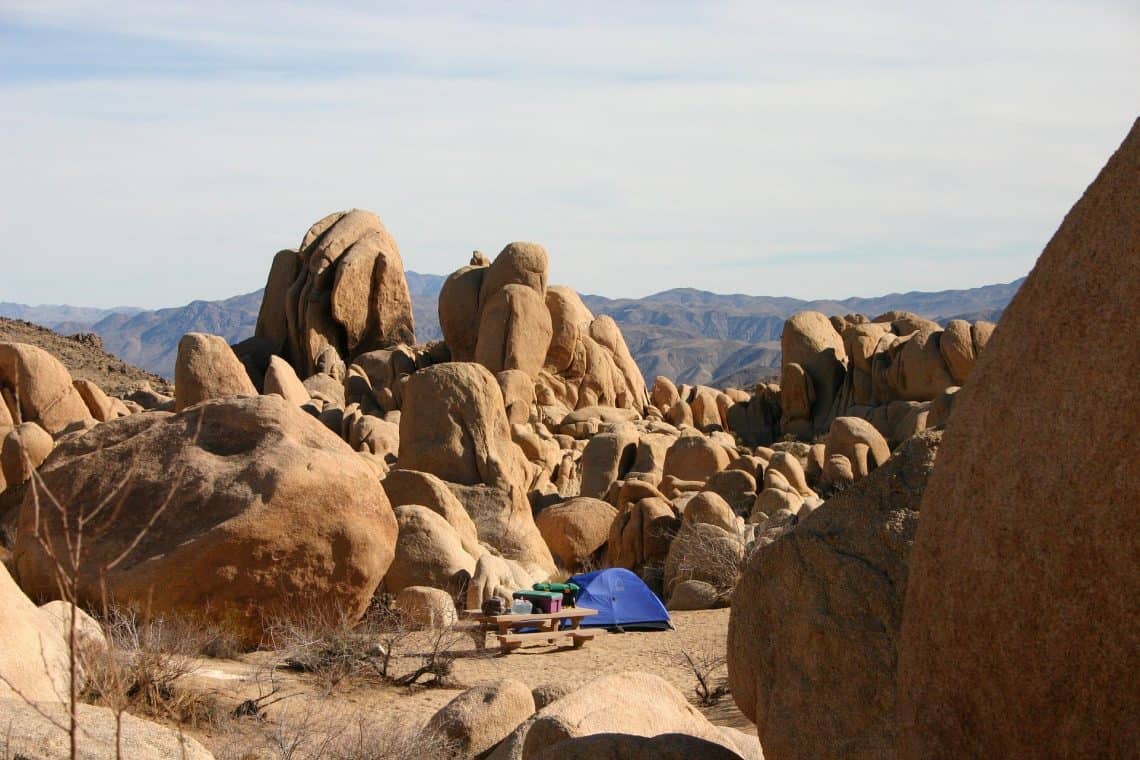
(334, 649)
(706, 666)
(703, 554)
(437, 660)
(139, 670)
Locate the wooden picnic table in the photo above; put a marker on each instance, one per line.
(549, 625)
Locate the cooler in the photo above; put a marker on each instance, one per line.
(543, 601)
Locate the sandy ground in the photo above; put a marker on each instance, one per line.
(313, 707)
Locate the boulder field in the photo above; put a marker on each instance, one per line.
(524, 445)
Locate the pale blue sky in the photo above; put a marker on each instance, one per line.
(157, 152)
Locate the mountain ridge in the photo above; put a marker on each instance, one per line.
(686, 334)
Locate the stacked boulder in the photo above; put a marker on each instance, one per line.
(39, 402)
(898, 371)
(504, 316)
(887, 370)
(813, 368)
(344, 289)
(454, 426)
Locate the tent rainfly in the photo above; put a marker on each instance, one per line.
(621, 599)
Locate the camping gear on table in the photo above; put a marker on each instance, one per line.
(621, 599)
(569, 591)
(543, 601)
(496, 605)
(522, 607)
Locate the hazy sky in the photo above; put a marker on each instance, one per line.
(157, 152)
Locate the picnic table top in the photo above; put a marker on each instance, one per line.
(570, 613)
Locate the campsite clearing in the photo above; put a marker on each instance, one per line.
(658, 652)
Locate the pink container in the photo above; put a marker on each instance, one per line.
(544, 601)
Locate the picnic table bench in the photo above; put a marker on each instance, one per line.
(549, 625)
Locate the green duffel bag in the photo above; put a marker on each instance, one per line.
(569, 591)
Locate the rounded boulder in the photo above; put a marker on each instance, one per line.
(249, 509)
(575, 529)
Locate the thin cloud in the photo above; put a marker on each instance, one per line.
(181, 144)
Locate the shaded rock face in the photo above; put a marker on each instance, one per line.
(756, 422)
(816, 616)
(628, 747)
(640, 536)
(243, 509)
(810, 342)
(1021, 626)
(608, 457)
(345, 289)
(504, 521)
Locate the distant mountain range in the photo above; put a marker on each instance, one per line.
(690, 336)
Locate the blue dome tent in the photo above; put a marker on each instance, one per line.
(621, 599)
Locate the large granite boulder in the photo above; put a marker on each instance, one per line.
(1021, 623)
(246, 510)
